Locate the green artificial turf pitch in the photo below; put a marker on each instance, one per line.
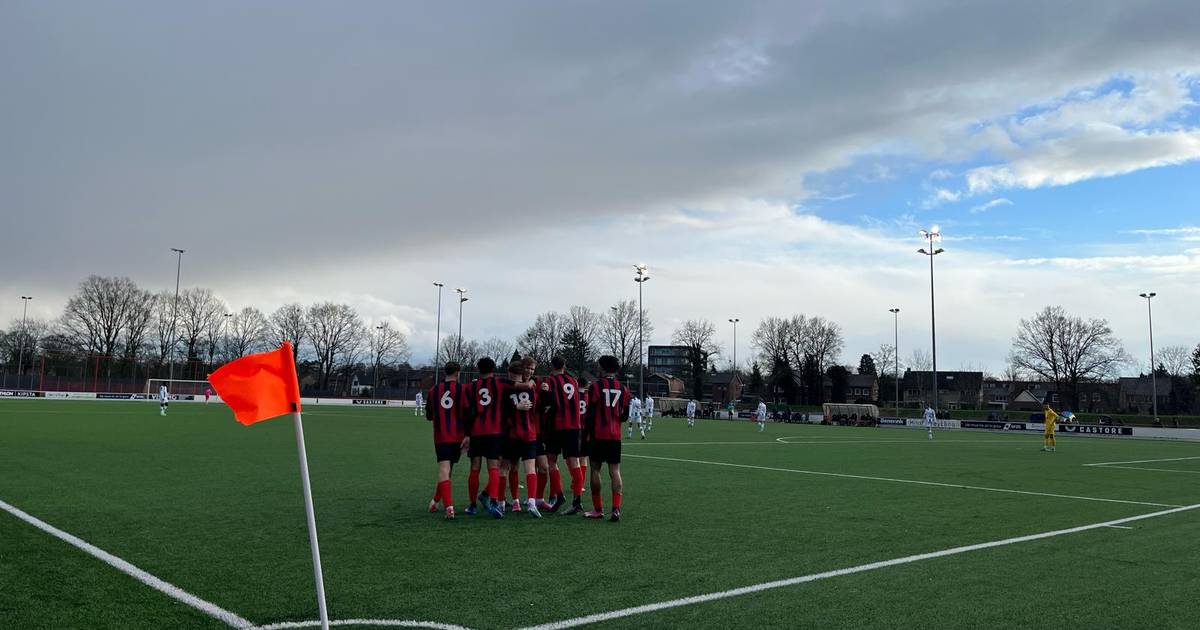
(215, 509)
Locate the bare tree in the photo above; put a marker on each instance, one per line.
(818, 338)
(1014, 373)
(699, 335)
(246, 333)
(95, 317)
(200, 320)
(288, 323)
(163, 325)
(619, 332)
(1175, 360)
(23, 339)
(1067, 349)
(496, 348)
(543, 339)
(387, 345)
(885, 360)
(588, 322)
(772, 340)
(465, 353)
(138, 320)
(337, 335)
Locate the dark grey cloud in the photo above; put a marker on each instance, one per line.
(310, 133)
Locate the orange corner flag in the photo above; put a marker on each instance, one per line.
(259, 386)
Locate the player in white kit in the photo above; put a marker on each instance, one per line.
(635, 417)
(691, 413)
(648, 412)
(163, 398)
(930, 420)
(419, 404)
(761, 414)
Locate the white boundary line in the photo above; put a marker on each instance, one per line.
(1143, 461)
(166, 588)
(385, 623)
(746, 590)
(1170, 470)
(912, 481)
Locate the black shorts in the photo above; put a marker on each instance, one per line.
(585, 444)
(541, 447)
(605, 451)
(565, 442)
(517, 450)
(448, 451)
(485, 446)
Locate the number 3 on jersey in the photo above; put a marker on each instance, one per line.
(485, 397)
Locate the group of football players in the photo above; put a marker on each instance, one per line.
(519, 423)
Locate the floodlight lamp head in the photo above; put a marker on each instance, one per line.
(922, 251)
(938, 251)
(438, 284)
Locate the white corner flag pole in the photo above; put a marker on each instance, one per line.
(312, 522)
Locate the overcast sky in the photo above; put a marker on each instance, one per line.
(762, 158)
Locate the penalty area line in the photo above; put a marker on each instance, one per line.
(765, 586)
(911, 481)
(1143, 461)
(380, 623)
(158, 584)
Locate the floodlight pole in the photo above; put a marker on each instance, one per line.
(1153, 375)
(462, 297)
(735, 321)
(896, 353)
(641, 279)
(932, 236)
(375, 385)
(24, 333)
(174, 321)
(437, 344)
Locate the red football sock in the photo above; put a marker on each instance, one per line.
(444, 491)
(541, 485)
(514, 484)
(531, 483)
(577, 481)
(493, 488)
(583, 473)
(596, 502)
(473, 484)
(437, 492)
(555, 482)
(616, 496)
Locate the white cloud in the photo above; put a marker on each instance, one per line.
(1101, 150)
(995, 203)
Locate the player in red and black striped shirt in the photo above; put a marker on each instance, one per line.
(608, 407)
(448, 411)
(521, 429)
(487, 432)
(561, 393)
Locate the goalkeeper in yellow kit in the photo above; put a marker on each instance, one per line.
(1051, 420)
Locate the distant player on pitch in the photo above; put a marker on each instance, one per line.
(1051, 421)
(648, 412)
(930, 420)
(691, 413)
(635, 417)
(419, 404)
(163, 399)
(761, 414)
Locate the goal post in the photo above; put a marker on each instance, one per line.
(176, 386)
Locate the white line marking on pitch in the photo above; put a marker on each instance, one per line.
(912, 481)
(1143, 461)
(1118, 527)
(746, 590)
(166, 588)
(1170, 470)
(386, 623)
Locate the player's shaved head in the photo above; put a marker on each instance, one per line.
(485, 366)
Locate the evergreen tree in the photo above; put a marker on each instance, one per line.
(576, 350)
(756, 379)
(866, 365)
(839, 378)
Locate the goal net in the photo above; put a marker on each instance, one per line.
(176, 387)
